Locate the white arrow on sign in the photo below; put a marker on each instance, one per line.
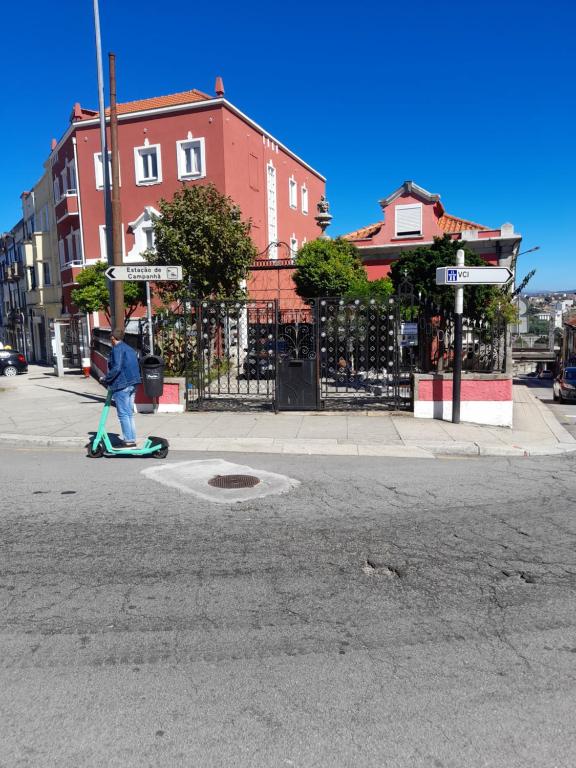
(472, 275)
(135, 272)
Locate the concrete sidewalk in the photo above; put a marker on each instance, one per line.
(40, 409)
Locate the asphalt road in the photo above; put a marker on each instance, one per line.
(565, 413)
(384, 613)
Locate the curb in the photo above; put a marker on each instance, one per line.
(559, 432)
(316, 448)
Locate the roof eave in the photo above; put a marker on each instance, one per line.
(410, 188)
(179, 108)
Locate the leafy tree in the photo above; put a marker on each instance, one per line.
(328, 268)
(380, 290)
(418, 267)
(92, 295)
(202, 230)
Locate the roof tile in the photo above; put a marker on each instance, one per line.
(454, 224)
(158, 102)
(364, 232)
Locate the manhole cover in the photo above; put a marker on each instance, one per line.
(234, 481)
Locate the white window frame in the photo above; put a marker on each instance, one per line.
(181, 147)
(72, 181)
(293, 246)
(412, 233)
(272, 208)
(304, 199)
(99, 169)
(146, 230)
(102, 237)
(78, 242)
(70, 248)
(292, 192)
(147, 148)
(138, 227)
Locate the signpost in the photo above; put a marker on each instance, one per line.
(460, 276)
(147, 273)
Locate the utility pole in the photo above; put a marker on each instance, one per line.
(104, 150)
(118, 313)
(457, 367)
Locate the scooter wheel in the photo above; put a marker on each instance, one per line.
(94, 453)
(162, 453)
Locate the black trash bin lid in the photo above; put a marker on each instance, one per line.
(152, 360)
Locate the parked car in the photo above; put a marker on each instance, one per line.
(564, 387)
(12, 362)
(546, 374)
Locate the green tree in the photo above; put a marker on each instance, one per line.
(92, 295)
(202, 231)
(328, 268)
(380, 290)
(418, 267)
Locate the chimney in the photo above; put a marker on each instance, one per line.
(53, 144)
(219, 87)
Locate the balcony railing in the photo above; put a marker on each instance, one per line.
(67, 205)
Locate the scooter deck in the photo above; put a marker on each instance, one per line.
(102, 445)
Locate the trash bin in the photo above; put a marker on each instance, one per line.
(153, 375)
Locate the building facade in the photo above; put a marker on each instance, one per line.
(13, 288)
(413, 217)
(163, 144)
(42, 269)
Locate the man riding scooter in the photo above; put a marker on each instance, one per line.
(122, 378)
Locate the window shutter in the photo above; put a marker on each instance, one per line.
(408, 219)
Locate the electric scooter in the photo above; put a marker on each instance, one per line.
(101, 445)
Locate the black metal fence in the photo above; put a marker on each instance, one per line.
(484, 343)
(352, 353)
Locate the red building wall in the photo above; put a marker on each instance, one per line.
(236, 157)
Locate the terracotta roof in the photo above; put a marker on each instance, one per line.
(364, 233)
(454, 224)
(157, 102)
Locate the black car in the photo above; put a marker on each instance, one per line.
(12, 362)
(564, 387)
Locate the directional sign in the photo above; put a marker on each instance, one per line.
(145, 272)
(472, 275)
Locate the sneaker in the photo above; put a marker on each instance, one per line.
(128, 444)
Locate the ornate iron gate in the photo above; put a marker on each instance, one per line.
(364, 351)
(231, 354)
(362, 360)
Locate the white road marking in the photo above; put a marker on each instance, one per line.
(192, 477)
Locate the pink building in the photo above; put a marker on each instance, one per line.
(414, 217)
(166, 142)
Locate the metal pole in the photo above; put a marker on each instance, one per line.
(457, 367)
(104, 150)
(149, 318)
(118, 321)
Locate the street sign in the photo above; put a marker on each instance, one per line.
(146, 272)
(472, 275)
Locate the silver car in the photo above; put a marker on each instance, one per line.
(564, 386)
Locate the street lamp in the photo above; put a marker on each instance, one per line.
(530, 250)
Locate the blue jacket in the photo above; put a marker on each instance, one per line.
(123, 368)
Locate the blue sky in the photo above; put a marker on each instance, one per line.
(474, 101)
